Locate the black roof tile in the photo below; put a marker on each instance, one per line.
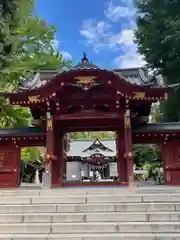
(150, 127)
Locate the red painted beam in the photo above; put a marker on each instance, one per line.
(87, 115)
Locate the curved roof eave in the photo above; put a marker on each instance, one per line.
(65, 73)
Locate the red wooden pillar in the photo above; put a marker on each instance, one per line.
(128, 145)
(60, 157)
(121, 161)
(51, 159)
(54, 152)
(49, 150)
(57, 172)
(65, 154)
(124, 147)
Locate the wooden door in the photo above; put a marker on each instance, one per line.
(171, 159)
(9, 167)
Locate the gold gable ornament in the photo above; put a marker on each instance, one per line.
(34, 99)
(85, 79)
(139, 95)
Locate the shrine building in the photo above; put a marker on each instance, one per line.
(85, 156)
(89, 98)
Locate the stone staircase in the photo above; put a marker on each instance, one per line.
(90, 214)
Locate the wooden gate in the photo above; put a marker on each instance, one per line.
(171, 158)
(9, 167)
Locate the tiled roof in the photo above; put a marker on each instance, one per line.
(28, 131)
(160, 127)
(77, 148)
(136, 76)
(150, 127)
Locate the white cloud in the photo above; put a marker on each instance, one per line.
(122, 9)
(131, 58)
(66, 55)
(103, 36)
(95, 33)
(125, 37)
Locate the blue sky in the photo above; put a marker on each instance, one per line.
(104, 29)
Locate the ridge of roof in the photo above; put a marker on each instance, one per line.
(92, 140)
(136, 75)
(99, 142)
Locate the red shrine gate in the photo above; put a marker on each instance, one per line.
(87, 98)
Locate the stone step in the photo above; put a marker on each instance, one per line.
(89, 191)
(118, 207)
(107, 236)
(133, 198)
(75, 199)
(80, 208)
(97, 227)
(131, 217)
(28, 208)
(89, 217)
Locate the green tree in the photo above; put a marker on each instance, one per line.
(12, 14)
(155, 115)
(158, 39)
(34, 51)
(26, 46)
(146, 154)
(93, 135)
(32, 154)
